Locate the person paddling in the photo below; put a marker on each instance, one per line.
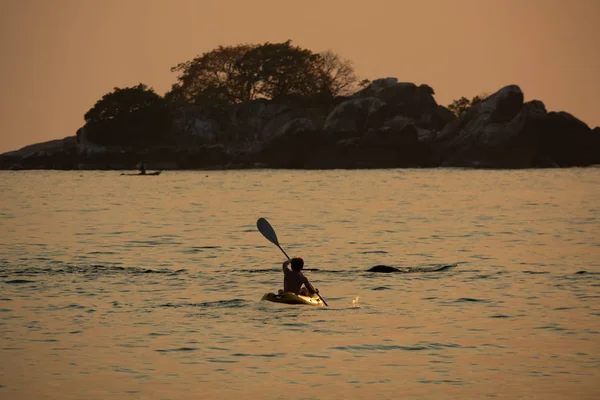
(293, 279)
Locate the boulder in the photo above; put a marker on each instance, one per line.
(49, 147)
(393, 148)
(503, 132)
(248, 120)
(354, 117)
(566, 141)
(459, 143)
(53, 154)
(196, 123)
(398, 122)
(513, 144)
(291, 146)
(408, 100)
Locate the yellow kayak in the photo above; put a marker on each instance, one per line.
(292, 298)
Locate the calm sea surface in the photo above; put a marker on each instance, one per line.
(119, 287)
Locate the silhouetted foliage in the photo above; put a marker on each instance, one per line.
(212, 77)
(233, 74)
(122, 101)
(364, 83)
(462, 105)
(336, 75)
(275, 70)
(132, 116)
(137, 116)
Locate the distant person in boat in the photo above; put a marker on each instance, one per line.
(293, 279)
(142, 169)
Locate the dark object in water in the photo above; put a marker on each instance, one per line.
(387, 269)
(383, 268)
(140, 174)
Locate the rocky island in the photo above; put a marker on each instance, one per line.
(281, 106)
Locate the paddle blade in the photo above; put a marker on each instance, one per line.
(267, 231)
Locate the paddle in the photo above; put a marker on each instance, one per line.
(267, 231)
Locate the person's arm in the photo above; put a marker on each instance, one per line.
(309, 287)
(285, 267)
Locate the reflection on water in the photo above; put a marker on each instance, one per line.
(136, 288)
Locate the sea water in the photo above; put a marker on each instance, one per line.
(120, 287)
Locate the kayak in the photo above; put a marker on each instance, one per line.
(147, 174)
(292, 298)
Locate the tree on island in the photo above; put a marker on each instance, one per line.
(462, 105)
(336, 75)
(233, 74)
(131, 116)
(122, 101)
(137, 116)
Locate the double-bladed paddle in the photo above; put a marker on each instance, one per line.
(267, 231)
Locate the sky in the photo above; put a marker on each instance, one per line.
(60, 56)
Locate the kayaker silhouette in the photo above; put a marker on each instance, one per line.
(293, 279)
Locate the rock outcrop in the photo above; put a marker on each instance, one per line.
(388, 124)
(504, 132)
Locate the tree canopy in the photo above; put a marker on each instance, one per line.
(233, 74)
(227, 75)
(123, 101)
(132, 116)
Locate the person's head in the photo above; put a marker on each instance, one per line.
(297, 264)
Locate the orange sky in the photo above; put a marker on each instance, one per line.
(60, 56)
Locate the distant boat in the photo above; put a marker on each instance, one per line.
(146, 174)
